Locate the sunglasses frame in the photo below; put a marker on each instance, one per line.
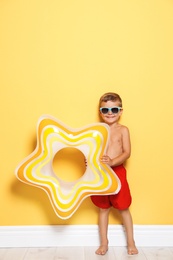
(110, 110)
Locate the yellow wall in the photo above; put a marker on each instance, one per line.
(58, 57)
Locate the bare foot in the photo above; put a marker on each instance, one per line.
(102, 250)
(132, 250)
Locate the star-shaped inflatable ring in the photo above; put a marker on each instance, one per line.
(37, 169)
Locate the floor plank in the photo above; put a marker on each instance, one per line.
(40, 253)
(70, 253)
(171, 250)
(84, 253)
(155, 253)
(12, 253)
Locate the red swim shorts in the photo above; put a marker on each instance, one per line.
(122, 199)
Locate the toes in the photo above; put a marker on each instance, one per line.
(102, 250)
(132, 251)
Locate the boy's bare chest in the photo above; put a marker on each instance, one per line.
(115, 136)
(115, 142)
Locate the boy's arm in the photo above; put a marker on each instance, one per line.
(126, 150)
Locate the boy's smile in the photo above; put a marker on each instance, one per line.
(110, 112)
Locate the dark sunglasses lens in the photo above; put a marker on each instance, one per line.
(104, 110)
(115, 110)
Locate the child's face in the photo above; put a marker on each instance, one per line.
(109, 115)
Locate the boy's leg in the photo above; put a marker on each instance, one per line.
(128, 224)
(103, 228)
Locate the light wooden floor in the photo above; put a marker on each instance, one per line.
(84, 253)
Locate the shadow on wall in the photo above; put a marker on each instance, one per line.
(36, 196)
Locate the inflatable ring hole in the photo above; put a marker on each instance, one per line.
(69, 164)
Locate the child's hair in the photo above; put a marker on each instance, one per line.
(110, 96)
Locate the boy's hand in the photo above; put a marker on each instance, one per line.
(106, 159)
(86, 163)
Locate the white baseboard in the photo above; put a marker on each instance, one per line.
(82, 235)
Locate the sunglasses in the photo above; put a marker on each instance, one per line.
(113, 110)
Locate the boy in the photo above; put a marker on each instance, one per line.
(118, 152)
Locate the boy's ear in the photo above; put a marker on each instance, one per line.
(121, 111)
